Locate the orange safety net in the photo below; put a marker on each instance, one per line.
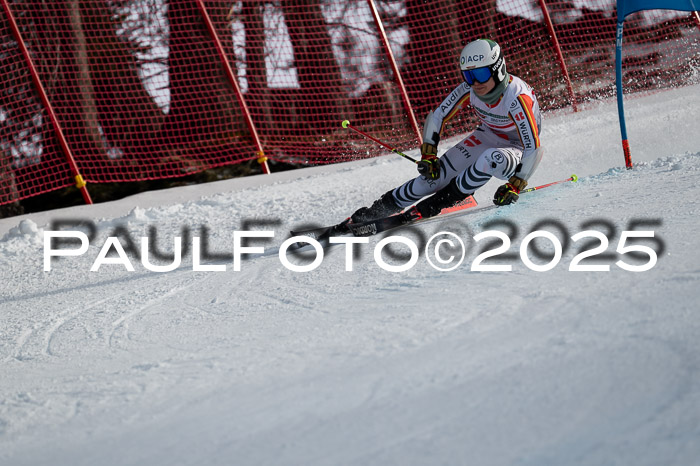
(140, 90)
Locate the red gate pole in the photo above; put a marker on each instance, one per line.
(395, 69)
(560, 55)
(79, 181)
(262, 160)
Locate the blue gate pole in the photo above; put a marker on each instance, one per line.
(620, 104)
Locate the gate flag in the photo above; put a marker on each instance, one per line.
(625, 8)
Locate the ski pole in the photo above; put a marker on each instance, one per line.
(346, 124)
(573, 178)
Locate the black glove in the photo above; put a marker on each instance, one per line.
(509, 192)
(429, 166)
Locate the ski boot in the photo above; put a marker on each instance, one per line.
(446, 197)
(382, 207)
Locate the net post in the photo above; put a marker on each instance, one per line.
(78, 178)
(261, 159)
(395, 69)
(557, 49)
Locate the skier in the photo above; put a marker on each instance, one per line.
(506, 144)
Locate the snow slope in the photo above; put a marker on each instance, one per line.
(268, 366)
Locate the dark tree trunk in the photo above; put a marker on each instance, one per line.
(441, 46)
(57, 43)
(128, 115)
(318, 72)
(91, 78)
(477, 18)
(204, 110)
(256, 75)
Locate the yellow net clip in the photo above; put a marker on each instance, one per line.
(79, 182)
(261, 158)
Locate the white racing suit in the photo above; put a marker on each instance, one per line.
(506, 143)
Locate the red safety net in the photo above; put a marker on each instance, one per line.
(140, 88)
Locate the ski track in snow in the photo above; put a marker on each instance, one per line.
(369, 367)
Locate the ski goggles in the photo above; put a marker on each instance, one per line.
(479, 74)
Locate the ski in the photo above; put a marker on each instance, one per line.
(381, 225)
(321, 234)
(314, 233)
(326, 232)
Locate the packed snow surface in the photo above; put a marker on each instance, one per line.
(270, 366)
